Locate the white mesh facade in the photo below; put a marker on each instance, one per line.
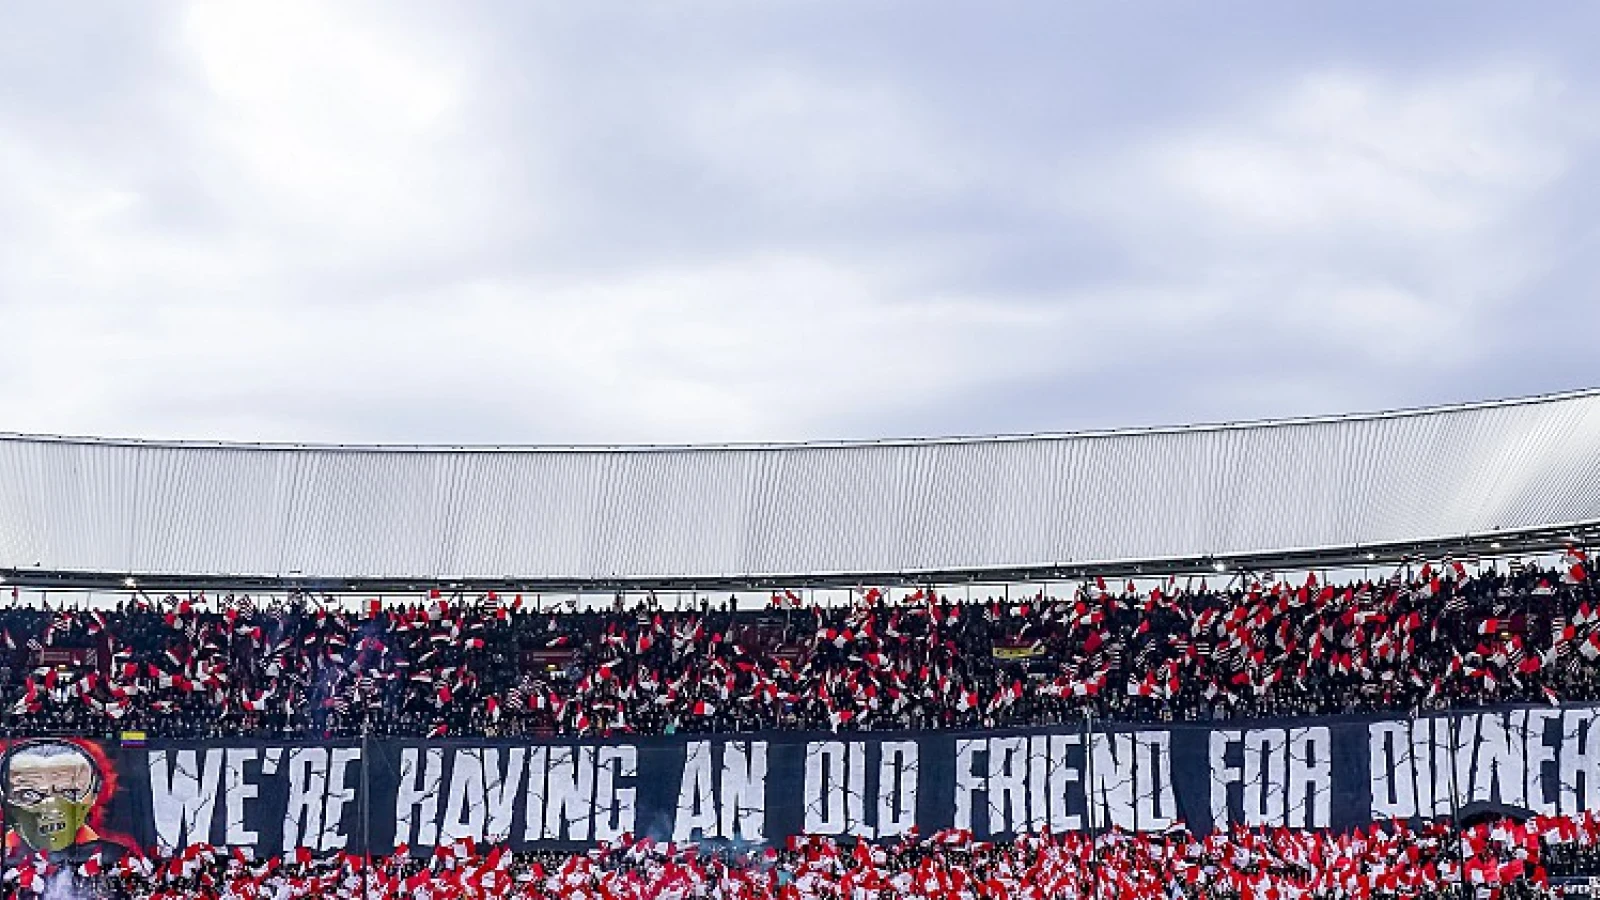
(628, 513)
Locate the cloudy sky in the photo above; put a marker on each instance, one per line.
(704, 221)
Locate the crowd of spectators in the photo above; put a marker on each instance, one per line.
(491, 665)
(303, 666)
(1492, 861)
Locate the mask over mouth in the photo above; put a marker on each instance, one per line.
(51, 824)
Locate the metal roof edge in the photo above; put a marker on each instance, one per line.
(1258, 424)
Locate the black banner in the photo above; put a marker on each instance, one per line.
(272, 798)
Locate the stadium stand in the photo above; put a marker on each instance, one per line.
(1509, 861)
(486, 667)
(243, 666)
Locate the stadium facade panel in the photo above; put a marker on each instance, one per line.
(1010, 506)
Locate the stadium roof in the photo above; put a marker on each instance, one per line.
(1471, 479)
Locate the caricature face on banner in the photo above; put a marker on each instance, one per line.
(54, 791)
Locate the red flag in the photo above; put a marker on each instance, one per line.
(91, 866)
(1576, 563)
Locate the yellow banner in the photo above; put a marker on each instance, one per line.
(1031, 651)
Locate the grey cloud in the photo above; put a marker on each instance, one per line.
(594, 222)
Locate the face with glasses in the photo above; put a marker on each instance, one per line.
(49, 789)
